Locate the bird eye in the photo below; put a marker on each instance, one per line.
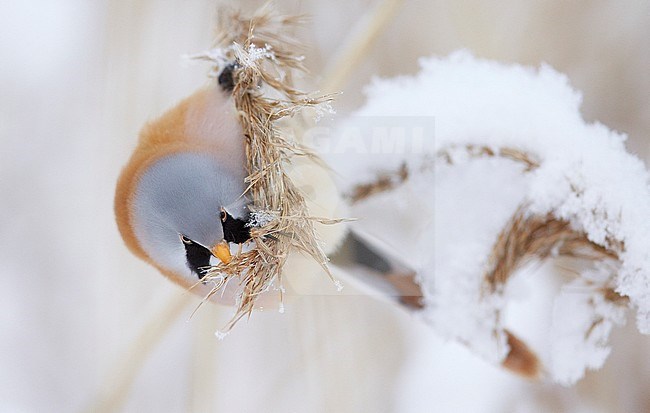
(185, 240)
(226, 78)
(223, 215)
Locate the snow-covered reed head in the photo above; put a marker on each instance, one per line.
(514, 175)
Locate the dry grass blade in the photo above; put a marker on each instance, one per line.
(534, 237)
(384, 182)
(390, 180)
(265, 57)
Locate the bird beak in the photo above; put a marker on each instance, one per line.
(222, 251)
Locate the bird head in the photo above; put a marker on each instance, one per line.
(188, 166)
(177, 212)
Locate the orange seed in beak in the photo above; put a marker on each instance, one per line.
(222, 251)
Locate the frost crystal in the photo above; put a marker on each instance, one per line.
(249, 58)
(323, 110)
(339, 285)
(261, 218)
(221, 335)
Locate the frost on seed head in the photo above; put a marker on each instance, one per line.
(508, 176)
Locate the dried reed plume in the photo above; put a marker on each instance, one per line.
(264, 57)
(524, 238)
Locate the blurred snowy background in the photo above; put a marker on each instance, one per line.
(78, 80)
